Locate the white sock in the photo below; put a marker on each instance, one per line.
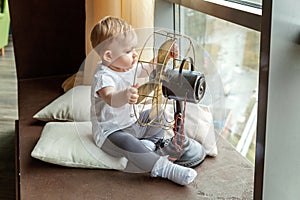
(176, 173)
(149, 144)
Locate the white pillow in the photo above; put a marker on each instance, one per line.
(199, 126)
(74, 105)
(71, 144)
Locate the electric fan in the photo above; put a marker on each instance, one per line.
(173, 83)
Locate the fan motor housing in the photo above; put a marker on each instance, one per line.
(183, 85)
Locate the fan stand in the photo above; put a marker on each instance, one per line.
(179, 117)
(181, 86)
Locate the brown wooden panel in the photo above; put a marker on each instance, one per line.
(218, 177)
(48, 36)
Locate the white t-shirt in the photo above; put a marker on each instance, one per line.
(106, 119)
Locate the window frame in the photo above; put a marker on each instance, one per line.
(250, 18)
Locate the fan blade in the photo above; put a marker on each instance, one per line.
(186, 65)
(163, 57)
(156, 103)
(162, 60)
(144, 90)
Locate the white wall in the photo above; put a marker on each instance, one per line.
(282, 164)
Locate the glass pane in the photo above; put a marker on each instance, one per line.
(235, 52)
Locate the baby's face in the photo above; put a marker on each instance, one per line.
(124, 55)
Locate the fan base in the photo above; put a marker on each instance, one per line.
(188, 152)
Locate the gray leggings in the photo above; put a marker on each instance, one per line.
(126, 143)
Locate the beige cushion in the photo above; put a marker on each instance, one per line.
(74, 105)
(71, 144)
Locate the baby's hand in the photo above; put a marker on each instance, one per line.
(132, 94)
(174, 52)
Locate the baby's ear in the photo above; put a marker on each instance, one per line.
(107, 56)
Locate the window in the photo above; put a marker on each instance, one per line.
(234, 50)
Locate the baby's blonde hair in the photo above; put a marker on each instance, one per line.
(106, 28)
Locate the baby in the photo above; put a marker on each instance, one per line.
(115, 127)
